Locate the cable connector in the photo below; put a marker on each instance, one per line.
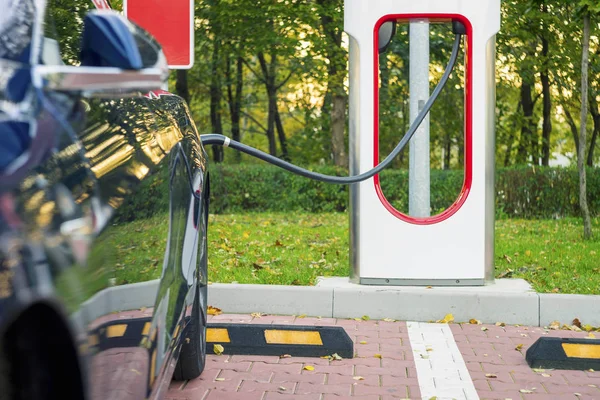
(458, 28)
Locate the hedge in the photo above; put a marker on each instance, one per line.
(523, 192)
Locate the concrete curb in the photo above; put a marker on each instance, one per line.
(511, 301)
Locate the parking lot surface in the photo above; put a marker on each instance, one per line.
(394, 360)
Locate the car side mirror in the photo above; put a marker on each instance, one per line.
(111, 40)
(117, 58)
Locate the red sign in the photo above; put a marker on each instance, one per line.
(101, 4)
(171, 23)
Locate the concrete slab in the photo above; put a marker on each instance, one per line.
(431, 305)
(508, 300)
(272, 299)
(499, 285)
(566, 307)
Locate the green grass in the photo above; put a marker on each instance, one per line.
(294, 249)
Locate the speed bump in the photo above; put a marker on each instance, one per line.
(559, 353)
(242, 339)
(276, 340)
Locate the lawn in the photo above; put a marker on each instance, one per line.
(294, 249)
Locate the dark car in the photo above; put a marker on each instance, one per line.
(80, 139)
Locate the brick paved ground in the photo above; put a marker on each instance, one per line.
(498, 370)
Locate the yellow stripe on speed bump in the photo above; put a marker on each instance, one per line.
(577, 350)
(116, 330)
(217, 335)
(293, 337)
(146, 329)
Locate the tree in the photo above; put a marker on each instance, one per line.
(336, 99)
(585, 54)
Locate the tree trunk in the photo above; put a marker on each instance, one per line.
(335, 85)
(281, 134)
(547, 105)
(234, 99)
(338, 126)
(596, 117)
(272, 99)
(585, 59)
(573, 126)
(181, 85)
(215, 102)
(528, 134)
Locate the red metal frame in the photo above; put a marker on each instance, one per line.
(468, 160)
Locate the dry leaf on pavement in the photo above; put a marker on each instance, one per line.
(214, 310)
(218, 349)
(447, 319)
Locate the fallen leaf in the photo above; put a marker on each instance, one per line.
(447, 319)
(519, 347)
(507, 258)
(500, 324)
(555, 290)
(389, 320)
(302, 316)
(538, 370)
(219, 379)
(483, 328)
(282, 388)
(365, 318)
(526, 391)
(246, 235)
(257, 314)
(546, 375)
(257, 267)
(214, 310)
(218, 349)
(308, 368)
(474, 321)
(378, 356)
(590, 370)
(363, 342)
(590, 336)
(278, 243)
(577, 394)
(285, 356)
(429, 287)
(577, 323)
(358, 378)
(336, 357)
(491, 375)
(554, 325)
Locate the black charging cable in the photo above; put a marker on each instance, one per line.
(221, 140)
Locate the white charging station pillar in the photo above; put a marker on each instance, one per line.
(455, 247)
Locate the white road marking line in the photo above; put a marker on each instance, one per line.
(441, 370)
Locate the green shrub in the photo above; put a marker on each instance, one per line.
(522, 192)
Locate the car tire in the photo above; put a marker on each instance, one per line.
(192, 357)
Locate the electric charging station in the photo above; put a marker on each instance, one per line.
(456, 246)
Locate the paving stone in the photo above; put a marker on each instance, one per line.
(223, 395)
(307, 388)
